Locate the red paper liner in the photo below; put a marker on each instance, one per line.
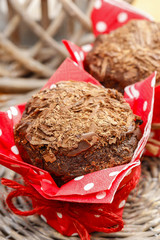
(72, 207)
(106, 16)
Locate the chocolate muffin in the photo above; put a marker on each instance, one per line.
(76, 128)
(127, 55)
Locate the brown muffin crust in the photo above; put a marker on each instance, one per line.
(127, 55)
(77, 128)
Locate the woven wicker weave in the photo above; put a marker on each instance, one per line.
(38, 59)
(141, 213)
(27, 61)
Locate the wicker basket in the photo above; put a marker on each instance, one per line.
(38, 57)
(141, 213)
(30, 47)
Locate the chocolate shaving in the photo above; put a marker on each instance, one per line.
(75, 116)
(88, 136)
(82, 146)
(49, 158)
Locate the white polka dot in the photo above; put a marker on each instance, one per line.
(101, 26)
(15, 166)
(42, 189)
(34, 171)
(113, 173)
(152, 134)
(14, 111)
(43, 217)
(14, 149)
(74, 234)
(78, 178)
(97, 216)
(122, 204)
(53, 86)
(98, 4)
(153, 82)
(46, 181)
(129, 172)
(77, 56)
(134, 91)
(145, 106)
(127, 90)
(75, 63)
(100, 209)
(87, 47)
(59, 214)
(101, 195)
(0, 132)
(41, 173)
(81, 55)
(122, 17)
(9, 114)
(88, 186)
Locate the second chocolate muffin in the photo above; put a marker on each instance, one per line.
(126, 55)
(76, 128)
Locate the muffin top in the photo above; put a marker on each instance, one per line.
(127, 55)
(75, 115)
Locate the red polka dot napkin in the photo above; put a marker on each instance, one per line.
(93, 202)
(106, 16)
